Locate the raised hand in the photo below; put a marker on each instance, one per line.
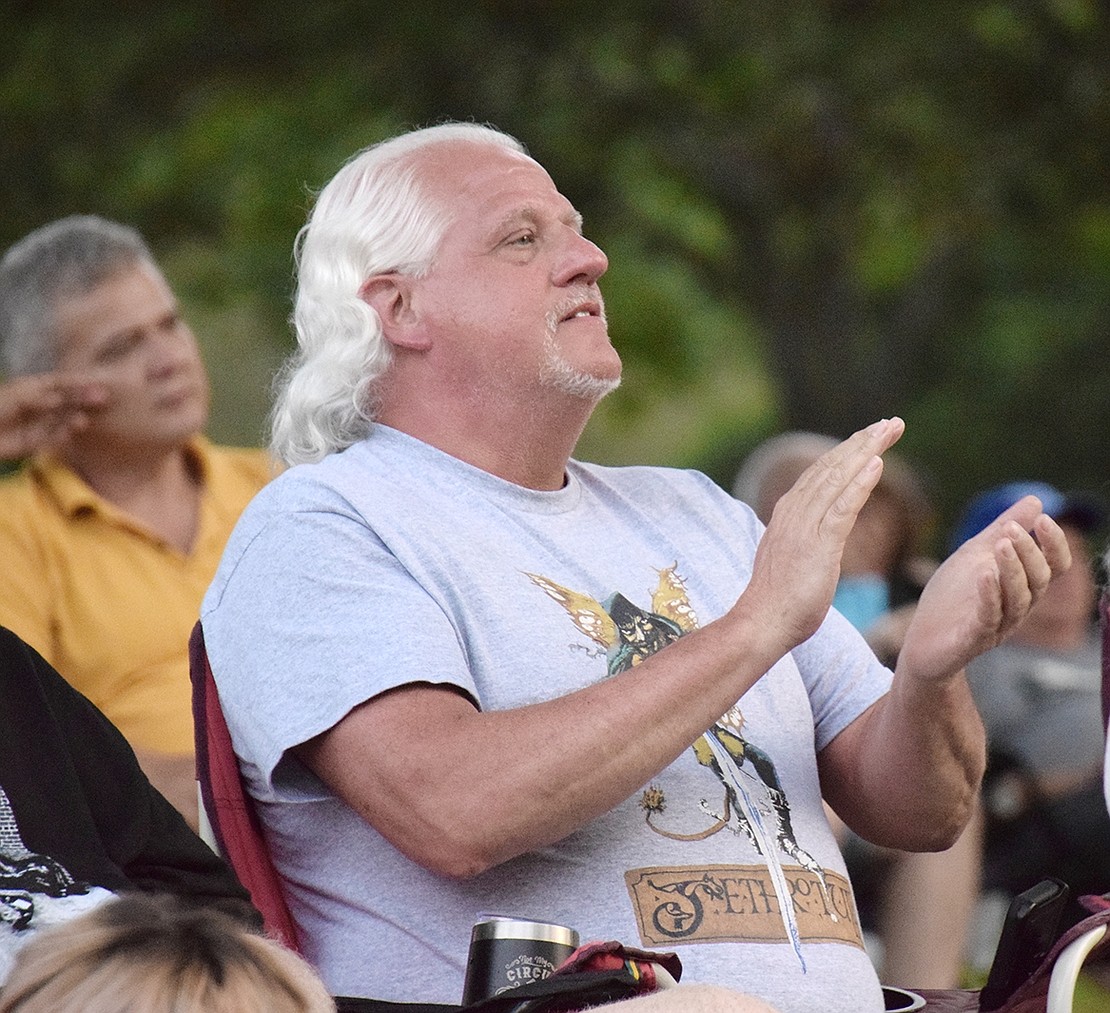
(983, 590)
(40, 411)
(797, 563)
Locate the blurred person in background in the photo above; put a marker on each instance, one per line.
(1040, 697)
(113, 529)
(1106, 680)
(920, 904)
(150, 954)
(884, 567)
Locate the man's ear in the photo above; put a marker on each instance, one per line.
(390, 295)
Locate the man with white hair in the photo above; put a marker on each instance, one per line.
(113, 530)
(466, 673)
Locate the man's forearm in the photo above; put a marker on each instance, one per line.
(921, 755)
(905, 773)
(489, 786)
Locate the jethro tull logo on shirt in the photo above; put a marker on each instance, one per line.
(704, 905)
(737, 903)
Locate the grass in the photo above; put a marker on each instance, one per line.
(1090, 996)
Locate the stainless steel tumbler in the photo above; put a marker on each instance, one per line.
(509, 952)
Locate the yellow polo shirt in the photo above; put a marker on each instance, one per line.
(106, 602)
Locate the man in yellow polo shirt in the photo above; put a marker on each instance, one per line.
(110, 537)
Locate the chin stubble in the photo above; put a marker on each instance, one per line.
(558, 374)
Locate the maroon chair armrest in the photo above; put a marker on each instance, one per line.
(231, 812)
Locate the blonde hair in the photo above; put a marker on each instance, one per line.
(150, 954)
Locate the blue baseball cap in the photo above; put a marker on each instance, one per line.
(1083, 510)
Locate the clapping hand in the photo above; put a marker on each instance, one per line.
(983, 590)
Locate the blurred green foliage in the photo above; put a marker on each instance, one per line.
(817, 213)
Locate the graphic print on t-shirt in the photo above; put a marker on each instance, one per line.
(24, 874)
(671, 904)
(35, 890)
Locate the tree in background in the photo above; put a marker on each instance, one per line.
(817, 212)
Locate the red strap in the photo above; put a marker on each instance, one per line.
(612, 955)
(230, 810)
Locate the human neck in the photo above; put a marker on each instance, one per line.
(526, 445)
(161, 490)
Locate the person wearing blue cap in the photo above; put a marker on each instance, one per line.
(1039, 696)
(1084, 512)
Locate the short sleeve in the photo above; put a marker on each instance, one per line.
(316, 617)
(842, 676)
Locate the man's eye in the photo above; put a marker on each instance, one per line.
(524, 239)
(111, 353)
(118, 349)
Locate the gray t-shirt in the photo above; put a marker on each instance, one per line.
(392, 563)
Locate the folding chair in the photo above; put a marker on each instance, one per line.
(1065, 971)
(1067, 959)
(1104, 623)
(231, 814)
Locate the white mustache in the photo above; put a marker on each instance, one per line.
(571, 303)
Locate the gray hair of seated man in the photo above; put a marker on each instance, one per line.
(774, 466)
(67, 257)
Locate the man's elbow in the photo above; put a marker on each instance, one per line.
(430, 832)
(451, 855)
(944, 829)
(941, 836)
(963, 817)
(458, 866)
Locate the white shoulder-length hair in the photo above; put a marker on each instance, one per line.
(373, 217)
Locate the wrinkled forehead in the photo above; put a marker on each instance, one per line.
(482, 183)
(124, 300)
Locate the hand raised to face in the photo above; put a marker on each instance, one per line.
(41, 411)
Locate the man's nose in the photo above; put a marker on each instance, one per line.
(170, 350)
(583, 262)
